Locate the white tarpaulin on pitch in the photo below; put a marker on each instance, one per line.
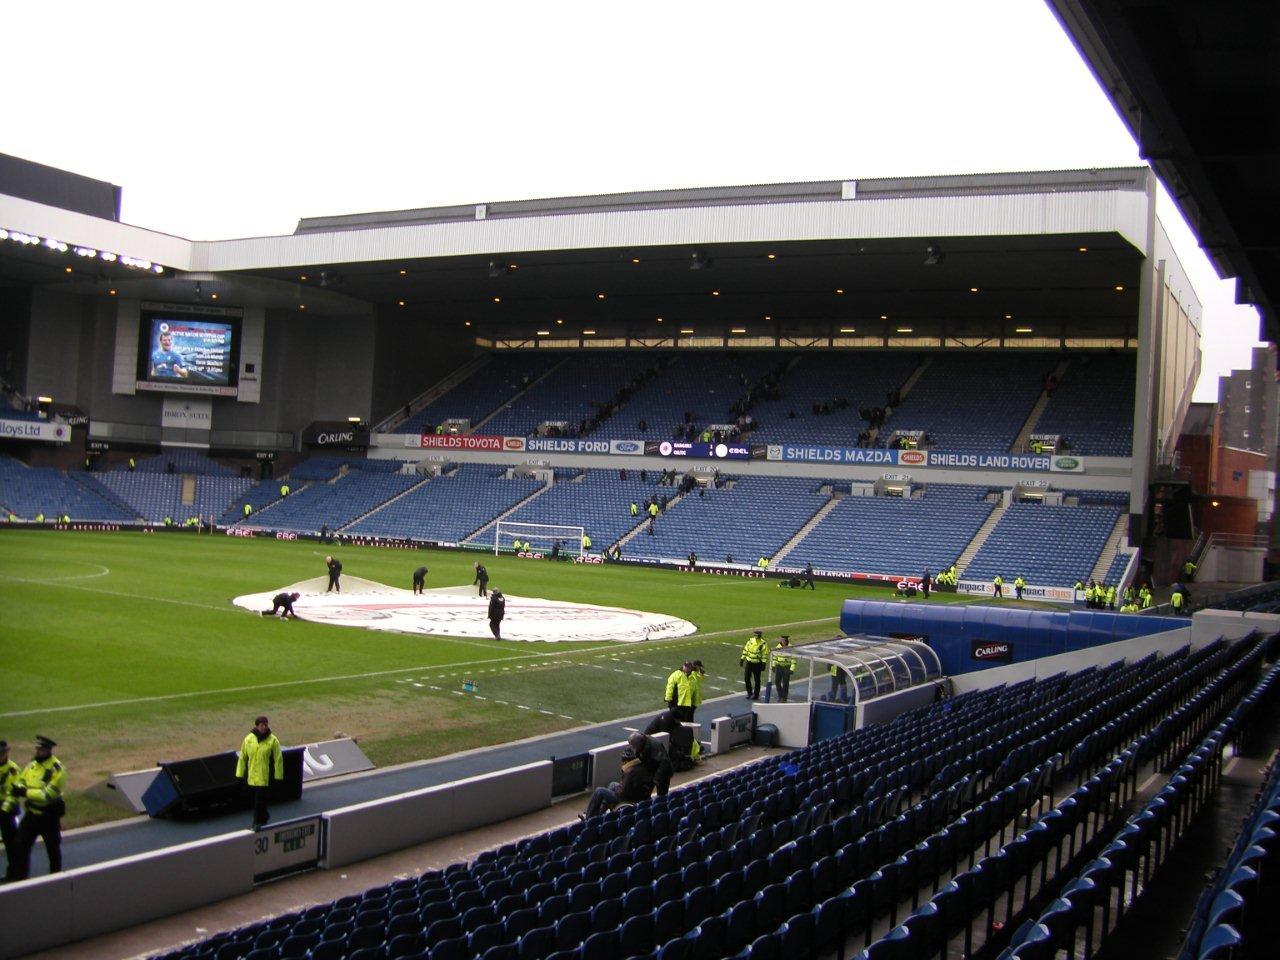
(458, 612)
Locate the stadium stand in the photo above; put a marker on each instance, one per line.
(895, 536)
(318, 468)
(257, 495)
(952, 400)
(811, 852)
(594, 499)
(1048, 545)
(336, 504)
(28, 492)
(744, 518)
(863, 380)
(1093, 406)
(707, 386)
(576, 391)
(485, 391)
(184, 461)
(447, 508)
(157, 496)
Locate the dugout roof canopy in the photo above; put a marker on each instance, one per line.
(873, 666)
(977, 256)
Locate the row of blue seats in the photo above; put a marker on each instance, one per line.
(903, 832)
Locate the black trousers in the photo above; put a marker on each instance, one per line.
(751, 678)
(484, 588)
(9, 835)
(419, 583)
(782, 681)
(31, 826)
(259, 795)
(808, 582)
(333, 582)
(662, 777)
(495, 626)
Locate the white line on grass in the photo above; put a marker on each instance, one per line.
(250, 688)
(59, 581)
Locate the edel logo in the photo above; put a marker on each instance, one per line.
(992, 650)
(513, 443)
(626, 446)
(913, 458)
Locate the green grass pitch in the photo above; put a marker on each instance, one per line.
(126, 649)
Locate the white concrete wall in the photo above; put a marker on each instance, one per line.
(1209, 625)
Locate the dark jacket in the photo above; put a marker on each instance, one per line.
(637, 784)
(482, 575)
(497, 606)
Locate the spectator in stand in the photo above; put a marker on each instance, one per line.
(636, 785)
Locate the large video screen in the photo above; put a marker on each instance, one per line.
(177, 351)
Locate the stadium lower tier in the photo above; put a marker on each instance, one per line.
(963, 819)
(790, 522)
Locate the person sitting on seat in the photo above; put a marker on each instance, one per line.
(636, 785)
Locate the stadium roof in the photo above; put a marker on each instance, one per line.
(1052, 252)
(1199, 87)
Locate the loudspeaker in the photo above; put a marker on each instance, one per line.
(205, 786)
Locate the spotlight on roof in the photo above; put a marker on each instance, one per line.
(933, 255)
(699, 261)
(328, 278)
(499, 268)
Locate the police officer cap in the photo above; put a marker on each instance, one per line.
(786, 637)
(45, 742)
(4, 746)
(759, 633)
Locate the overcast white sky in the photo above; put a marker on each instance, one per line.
(238, 118)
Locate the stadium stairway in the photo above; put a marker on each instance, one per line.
(385, 503)
(803, 532)
(907, 385)
(506, 513)
(1022, 442)
(91, 483)
(1119, 534)
(980, 538)
(476, 427)
(640, 527)
(435, 392)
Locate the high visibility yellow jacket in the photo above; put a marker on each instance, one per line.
(680, 689)
(782, 657)
(755, 650)
(998, 581)
(8, 777)
(586, 542)
(260, 760)
(45, 781)
(634, 509)
(695, 688)
(1019, 582)
(1176, 600)
(653, 509)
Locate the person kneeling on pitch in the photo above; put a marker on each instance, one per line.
(260, 760)
(282, 604)
(419, 579)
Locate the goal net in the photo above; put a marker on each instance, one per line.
(541, 537)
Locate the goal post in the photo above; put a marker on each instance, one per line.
(541, 536)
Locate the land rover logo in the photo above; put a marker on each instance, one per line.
(992, 650)
(1066, 463)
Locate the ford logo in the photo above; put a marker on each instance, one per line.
(626, 446)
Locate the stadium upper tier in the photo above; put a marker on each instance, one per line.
(1045, 544)
(1092, 406)
(819, 398)
(483, 392)
(184, 461)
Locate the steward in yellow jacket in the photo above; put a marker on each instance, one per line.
(259, 761)
(39, 786)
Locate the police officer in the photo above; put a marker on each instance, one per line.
(808, 579)
(497, 610)
(586, 542)
(1177, 600)
(696, 677)
(419, 579)
(635, 509)
(260, 760)
(754, 654)
(784, 664)
(39, 786)
(1018, 584)
(335, 571)
(997, 586)
(1188, 570)
(678, 692)
(482, 578)
(9, 772)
